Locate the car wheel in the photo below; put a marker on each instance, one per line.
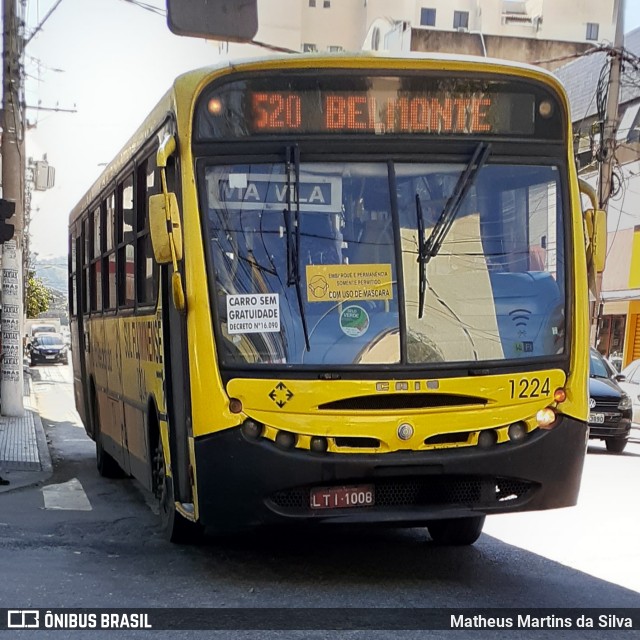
(616, 445)
(456, 531)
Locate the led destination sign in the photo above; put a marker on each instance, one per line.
(348, 112)
(301, 105)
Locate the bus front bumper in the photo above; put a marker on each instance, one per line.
(243, 483)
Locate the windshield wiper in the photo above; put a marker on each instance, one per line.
(256, 265)
(422, 280)
(433, 244)
(293, 233)
(450, 211)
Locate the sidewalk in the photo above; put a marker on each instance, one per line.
(24, 453)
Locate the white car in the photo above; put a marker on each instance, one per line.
(631, 384)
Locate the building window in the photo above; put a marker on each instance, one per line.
(326, 4)
(334, 48)
(427, 17)
(308, 47)
(460, 19)
(592, 30)
(312, 3)
(611, 335)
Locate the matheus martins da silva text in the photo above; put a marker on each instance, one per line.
(528, 621)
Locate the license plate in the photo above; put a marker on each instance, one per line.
(596, 418)
(343, 497)
(49, 357)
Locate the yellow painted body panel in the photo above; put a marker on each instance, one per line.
(295, 407)
(125, 359)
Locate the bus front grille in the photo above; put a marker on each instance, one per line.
(401, 401)
(422, 492)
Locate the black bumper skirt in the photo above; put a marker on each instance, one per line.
(618, 429)
(244, 483)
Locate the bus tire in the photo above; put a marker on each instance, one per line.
(615, 445)
(105, 463)
(173, 525)
(456, 532)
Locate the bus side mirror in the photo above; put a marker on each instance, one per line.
(164, 223)
(166, 231)
(596, 224)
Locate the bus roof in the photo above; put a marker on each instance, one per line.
(192, 82)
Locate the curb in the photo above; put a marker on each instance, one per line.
(43, 445)
(20, 479)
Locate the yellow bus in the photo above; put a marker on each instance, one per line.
(340, 289)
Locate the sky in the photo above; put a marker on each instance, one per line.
(109, 61)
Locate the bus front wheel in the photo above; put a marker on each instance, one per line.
(174, 526)
(456, 531)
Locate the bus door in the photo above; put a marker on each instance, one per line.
(178, 404)
(82, 346)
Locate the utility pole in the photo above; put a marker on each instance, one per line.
(13, 172)
(608, 144)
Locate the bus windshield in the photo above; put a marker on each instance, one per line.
(386, 263)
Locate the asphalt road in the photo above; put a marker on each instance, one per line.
(85, 541)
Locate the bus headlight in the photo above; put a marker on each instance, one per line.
(517, 431)
(286, 440)
(251, 429)
(546, 418)
(318, 444)
(487, 439)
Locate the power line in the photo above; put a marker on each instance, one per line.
(39, 27)
(148, 7)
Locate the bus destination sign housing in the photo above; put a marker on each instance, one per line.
(376, 105)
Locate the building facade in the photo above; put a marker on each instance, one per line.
(618, 332)
(333, 25)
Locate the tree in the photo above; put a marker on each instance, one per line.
(38, 297)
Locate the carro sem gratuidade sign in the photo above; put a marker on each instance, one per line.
(259, 313)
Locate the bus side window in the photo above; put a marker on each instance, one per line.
(374, 242)
(172, 174)
(270, 250)
(320, 242)
(147, 270)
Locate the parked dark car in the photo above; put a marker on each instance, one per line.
(49, 348)
(609, 406)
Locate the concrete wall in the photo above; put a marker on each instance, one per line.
(280, 23)
(508, 48)
(617, 273)
(342, 24)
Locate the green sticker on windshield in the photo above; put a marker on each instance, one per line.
(354, 321)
